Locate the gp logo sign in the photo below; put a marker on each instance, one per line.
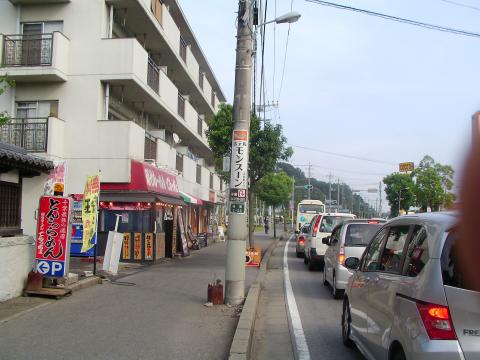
(50, 268)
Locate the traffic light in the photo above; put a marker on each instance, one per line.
(308, 187)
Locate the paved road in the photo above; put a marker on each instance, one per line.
(319, 312)
(161, 317)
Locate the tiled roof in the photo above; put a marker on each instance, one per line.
(21, 156)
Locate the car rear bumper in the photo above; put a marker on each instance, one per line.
(342, 275)
(437, 350)
(316, 259)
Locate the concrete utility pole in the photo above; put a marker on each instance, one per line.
(338, 194)
(237, 229)
(330, 191)
(380, 199)
(309, 191)
(293, 202)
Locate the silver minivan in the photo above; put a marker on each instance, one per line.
(407, 298)
(347, 240)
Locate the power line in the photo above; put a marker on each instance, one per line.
(460, 4)
(285, 56)
(342, 170)
(345, 155)
(397, 19)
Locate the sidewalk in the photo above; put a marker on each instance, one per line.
(271, 338)
(162, 316)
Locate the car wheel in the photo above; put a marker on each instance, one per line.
(337, 294)
(346, 325)
(325, 282)
(399, 354)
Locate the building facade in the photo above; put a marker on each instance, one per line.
(105, 85)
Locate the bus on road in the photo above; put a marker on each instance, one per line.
(306, 210)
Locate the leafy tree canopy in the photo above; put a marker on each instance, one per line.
(5, 82)
(275, 188)
(401, 186)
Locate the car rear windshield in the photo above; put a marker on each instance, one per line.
(360, 234)
(452, 271)
(329, 222)
(311, 208)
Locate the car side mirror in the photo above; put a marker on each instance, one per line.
(326, 240)
(352, 263)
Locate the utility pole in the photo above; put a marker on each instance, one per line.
(309, 191)
(293, 202)
(338, 194)
(237, 229)
(330, 190)
(380, 199)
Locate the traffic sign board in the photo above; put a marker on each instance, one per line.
(308, 187)
(237, 208)
(406, 167)
(50, 268)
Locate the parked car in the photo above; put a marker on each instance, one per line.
(321, 226)
(347, 240)
(408, 298)
(301, 237)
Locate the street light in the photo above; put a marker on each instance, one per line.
(288, 18)
(237, 230)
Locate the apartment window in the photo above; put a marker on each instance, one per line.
(179, 163)
(199, 174)
(181, 106)
(199, 126)
(37, 109)
(183, 49)
(211, 180)
(153, 74)
(150, 151)
(157, 10)
(10, 205)
(201, 75)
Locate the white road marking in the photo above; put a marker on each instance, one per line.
(302, 352)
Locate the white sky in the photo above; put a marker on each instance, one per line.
(359, 85)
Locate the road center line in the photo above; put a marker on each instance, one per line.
(296, 328)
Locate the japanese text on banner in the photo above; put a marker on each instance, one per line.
(89, 211)
(239, 160)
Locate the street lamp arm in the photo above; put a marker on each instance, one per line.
(288, 18)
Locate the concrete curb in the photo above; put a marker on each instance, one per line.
(85, 283)
(242, 340)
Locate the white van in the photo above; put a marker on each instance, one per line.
(321, 226)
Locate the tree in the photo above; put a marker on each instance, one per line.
(267, 146)
(5, 82)
(399, 186)
(275, 189)
(433, 184)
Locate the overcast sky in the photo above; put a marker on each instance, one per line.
(359, 85)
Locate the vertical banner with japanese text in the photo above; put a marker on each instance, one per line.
(239, 170)
(90, 211)
(53, 232)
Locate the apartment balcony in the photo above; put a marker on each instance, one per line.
(134, 77)
(164, 35)
(36, 135)
(34, 58)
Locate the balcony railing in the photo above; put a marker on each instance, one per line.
(28, 133)
(199, 126)
(27, 50)
(181, 106)
(153, 76)
(150, 151)
(183, 49)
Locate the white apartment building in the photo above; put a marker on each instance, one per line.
(102, 83)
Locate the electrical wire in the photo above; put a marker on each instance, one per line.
(262, 70)
(343, 170)
(345, 155)
(285, 56)
(397, 19)
(460, 4)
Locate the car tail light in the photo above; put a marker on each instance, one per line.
(301, 240)
(373, 222)
(437, 321)
(341, 256)
(315, 227)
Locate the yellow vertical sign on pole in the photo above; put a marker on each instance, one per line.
(90, 211)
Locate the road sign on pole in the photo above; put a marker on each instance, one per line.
(308, 187)
(406, 167)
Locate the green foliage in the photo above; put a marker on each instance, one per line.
(399, 185)
(433, 184)
(5, 82)
(267, 145)
(275, 188)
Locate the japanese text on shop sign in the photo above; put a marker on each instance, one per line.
(239, 159)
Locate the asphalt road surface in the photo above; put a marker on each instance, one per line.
(319, 312)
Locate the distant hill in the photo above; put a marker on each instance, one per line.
(352, 202)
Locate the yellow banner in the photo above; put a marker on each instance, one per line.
(89, 211)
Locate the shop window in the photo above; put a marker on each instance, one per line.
(10, 205)
(131, 221)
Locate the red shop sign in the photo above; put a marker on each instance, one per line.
(52, 235)
(146, 177)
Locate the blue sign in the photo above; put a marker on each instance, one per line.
(50, 268)
(303, 218)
